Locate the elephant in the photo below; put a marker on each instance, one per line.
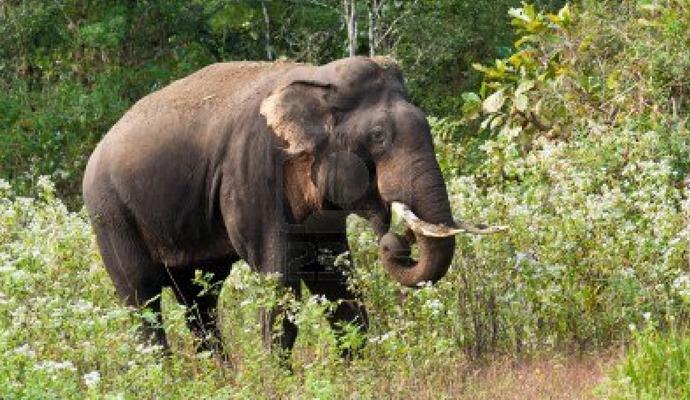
(263, 162)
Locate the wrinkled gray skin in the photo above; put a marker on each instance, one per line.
(263, 162)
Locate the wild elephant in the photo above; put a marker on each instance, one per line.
(263, 162)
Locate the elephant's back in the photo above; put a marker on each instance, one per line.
(218, 87)
(188, 115)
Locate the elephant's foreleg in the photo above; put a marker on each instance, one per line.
(350, 309)
(281, 337)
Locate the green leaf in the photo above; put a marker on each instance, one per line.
(472, 105)
(525, 39)
(471, 97)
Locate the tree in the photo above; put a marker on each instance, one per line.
(267, 34)
(70, 68)
(374, 13)
(350, 15)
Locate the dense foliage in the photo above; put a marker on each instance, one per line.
(586, 162)
(70, 68)
(577, 138)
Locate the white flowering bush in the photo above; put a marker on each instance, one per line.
(593, 186)
(586, 161)
(62, 331)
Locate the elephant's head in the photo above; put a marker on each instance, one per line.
(351, 128)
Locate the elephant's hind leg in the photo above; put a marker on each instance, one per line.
(137, 278)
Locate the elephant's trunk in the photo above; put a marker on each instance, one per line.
(429, 201)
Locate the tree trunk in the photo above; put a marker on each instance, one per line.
(350, 13)
(267, 35)
(374, 14)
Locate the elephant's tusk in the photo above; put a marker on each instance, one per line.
(434, 230)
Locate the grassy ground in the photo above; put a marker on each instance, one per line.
(558, 376)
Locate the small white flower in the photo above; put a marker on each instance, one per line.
(53, 366)
(434, 305)
(92, 379)
(647, 316)
(83, 306)
(382, 338)
(3, 299)
(45, 185)
(24, 350)
(628, 272)
(145, 349)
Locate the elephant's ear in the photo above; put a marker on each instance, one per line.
(298, 114)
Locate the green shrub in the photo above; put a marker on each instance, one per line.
(656, 367)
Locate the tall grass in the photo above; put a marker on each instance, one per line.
(657, 367)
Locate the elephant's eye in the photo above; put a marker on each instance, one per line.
(378, 135)
(338, 116)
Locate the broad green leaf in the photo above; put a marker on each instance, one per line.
(471, 97)
(525, 39)
(472, 106)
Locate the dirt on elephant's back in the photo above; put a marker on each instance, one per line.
(219, 85)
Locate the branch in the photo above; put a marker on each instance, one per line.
(534, 120)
